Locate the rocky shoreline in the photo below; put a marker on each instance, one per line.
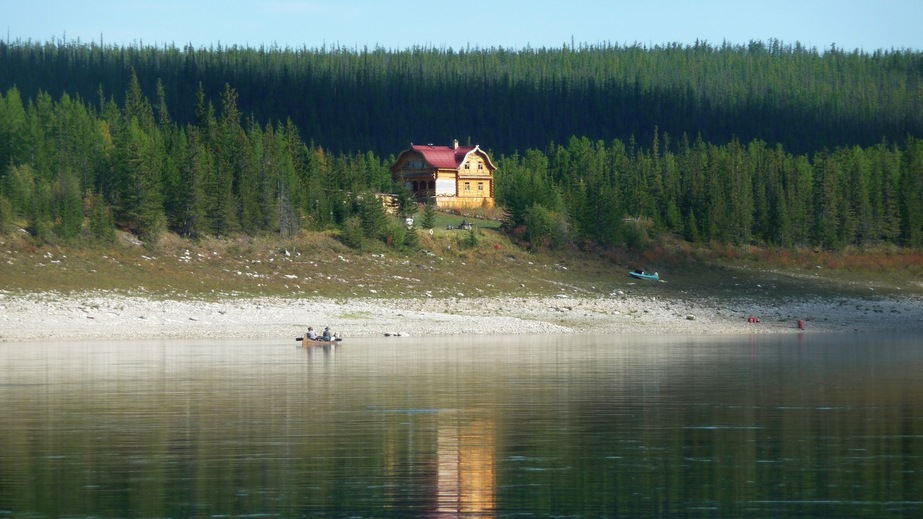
(113, 316)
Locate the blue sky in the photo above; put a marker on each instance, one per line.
(867, 25)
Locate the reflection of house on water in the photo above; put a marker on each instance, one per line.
(467, 477)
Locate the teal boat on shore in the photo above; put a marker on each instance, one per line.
(640, 274)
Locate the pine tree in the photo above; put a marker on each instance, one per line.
(857, 225)
(13, 130)
(889, 168)
(192, 219)
(826, 207)
(101, 226)
(412, 238)
(40, 224)
(373, 216)
(691, 231)
(739, 194)
(6, 215)
(715, 223)
(18, 186)
(288, 222)
(142, 165)
(428, 221)
(912, 193)
(249, 161)
(68, 206)
(137, 106)
(406, 202)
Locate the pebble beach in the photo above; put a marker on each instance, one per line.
(114, 316)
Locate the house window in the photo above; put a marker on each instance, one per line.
(480, 165)
(467, 186)
(467, 165)
(480, 186)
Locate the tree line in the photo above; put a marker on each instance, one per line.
(737, 193)
(76, 171)
(379, 100)
(73, 171)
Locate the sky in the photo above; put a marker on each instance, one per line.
(866, 25)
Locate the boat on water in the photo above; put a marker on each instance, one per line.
(641, 274)
(308, 342)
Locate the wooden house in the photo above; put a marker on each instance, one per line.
(455, 177)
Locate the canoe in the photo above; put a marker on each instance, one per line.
(307, 343)
(640, 274)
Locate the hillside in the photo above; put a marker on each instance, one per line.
(446, 265)
(508, 100)
(765, 145)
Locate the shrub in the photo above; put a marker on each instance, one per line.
(546, 229)
(471, 240)
(395, 234)
(352, 233)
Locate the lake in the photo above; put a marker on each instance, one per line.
(602, 426)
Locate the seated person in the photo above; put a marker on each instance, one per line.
(311, 333)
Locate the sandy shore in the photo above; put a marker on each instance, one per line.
(43, 316)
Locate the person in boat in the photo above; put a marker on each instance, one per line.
(311, 333)
(327, 334)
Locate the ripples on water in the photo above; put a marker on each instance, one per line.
(793, 425)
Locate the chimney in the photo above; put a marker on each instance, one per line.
(455, 144)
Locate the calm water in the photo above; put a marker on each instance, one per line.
(465, 427)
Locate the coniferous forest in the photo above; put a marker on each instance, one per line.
(761, 143)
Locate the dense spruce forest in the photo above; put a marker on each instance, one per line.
(379, 100)
(762, 143)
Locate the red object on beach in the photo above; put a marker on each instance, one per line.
(801, 324)
(752, 319)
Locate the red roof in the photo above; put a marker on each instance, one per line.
(443, 157)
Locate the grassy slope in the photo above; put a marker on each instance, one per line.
(316, 264)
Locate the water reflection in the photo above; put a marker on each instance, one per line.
(466, 477)
(464, 427)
